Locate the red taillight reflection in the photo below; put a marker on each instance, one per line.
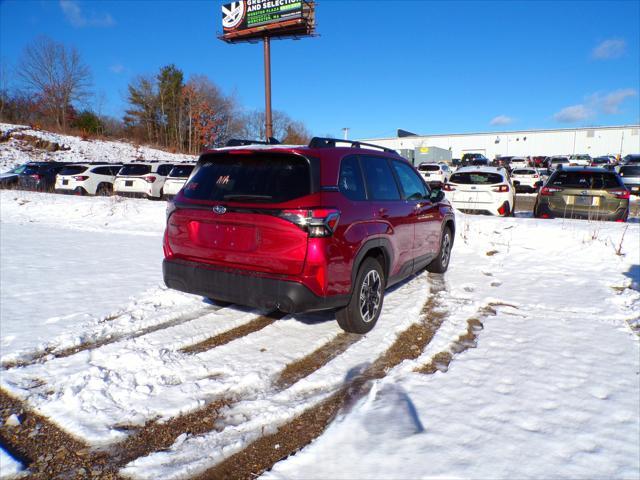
(80, 178)
(149, 179)
(448, 188)
(502, 189)
(622, 194)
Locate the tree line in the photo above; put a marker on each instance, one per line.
(163, 109)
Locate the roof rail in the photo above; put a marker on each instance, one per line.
(321, 142)
(239, 142)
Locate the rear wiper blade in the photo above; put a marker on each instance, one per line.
(258, 198)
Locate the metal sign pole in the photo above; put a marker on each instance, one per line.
(267, 89)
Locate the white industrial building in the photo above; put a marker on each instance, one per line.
(595, 141)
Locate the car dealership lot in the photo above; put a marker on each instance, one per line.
(532, 324)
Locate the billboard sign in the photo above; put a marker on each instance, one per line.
(254, 19)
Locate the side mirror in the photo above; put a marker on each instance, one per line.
(436, 195)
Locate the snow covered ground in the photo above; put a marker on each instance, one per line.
(92, 340)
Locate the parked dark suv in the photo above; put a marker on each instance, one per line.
(305, 228)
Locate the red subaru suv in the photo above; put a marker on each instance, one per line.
(304, 228)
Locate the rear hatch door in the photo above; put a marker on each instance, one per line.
(233, 212)
(584, 192)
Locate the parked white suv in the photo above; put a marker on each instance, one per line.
(527, 179)
(435, 172)
(142, 179)
(518, 162)
(178, 175)
(580, 160)
(87, 179)
(484, 190)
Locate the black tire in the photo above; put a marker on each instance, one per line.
(441, 262)
(104, 190)
(369, 286)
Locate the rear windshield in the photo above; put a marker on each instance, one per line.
(630, 170)
(19, 169)
(250, 178)
(476, 178)
(524, 172)
(181, 171)
(73, 170)
(429, 168)
(135, 169)
(600, 160)
(588, 180)
(559, 160)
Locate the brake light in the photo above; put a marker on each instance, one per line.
(319, 222)
(447, 188)
(622, 194)
(536, 176)
(80, 178)
(36, 177)
(548, 191)
(502, 189)
(149, 179)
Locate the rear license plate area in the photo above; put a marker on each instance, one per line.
(223, 236)
(65, 182)
(128, 183)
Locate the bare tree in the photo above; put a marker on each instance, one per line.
(56, 74)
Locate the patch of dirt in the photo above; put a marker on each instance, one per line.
(233, 334)
(40, 143)
(491, 253)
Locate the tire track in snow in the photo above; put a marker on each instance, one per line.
(263, 453)
(52, 352)
(241, 331)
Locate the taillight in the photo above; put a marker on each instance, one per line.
(36, 177)
(622, 194)
(319, 222)
(447, 188)
(149, 179)
(502, 189)
(536, 176)
(548, 191)
(80, 178)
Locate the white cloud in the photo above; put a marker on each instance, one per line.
(117, 68)
(574, 113)
(597, 103)
(77, 18)
(501, 120)
(608, 49)
(610, 103)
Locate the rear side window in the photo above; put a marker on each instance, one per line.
(73, 170)
(181, 171)
(476, 178)
(412, 186)
(164, 170)
(380, 182)
(631, 171)
(587, 180)
(351, 183)
(135, 169)
(251, 178)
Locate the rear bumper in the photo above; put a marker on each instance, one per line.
(543, 210)
(245, 289)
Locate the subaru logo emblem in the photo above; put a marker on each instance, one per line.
(219, 209)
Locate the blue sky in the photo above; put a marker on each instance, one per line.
(427, 67)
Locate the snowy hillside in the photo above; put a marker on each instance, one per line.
(18, 147)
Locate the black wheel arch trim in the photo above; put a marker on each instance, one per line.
(376, 243)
